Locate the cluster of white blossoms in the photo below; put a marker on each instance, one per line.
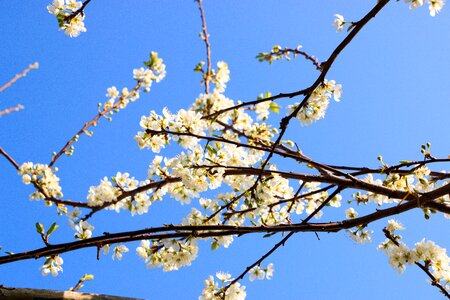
(263, 109)
(435, 6)
(184, 122)
(72, 25)
(52, 265)
(359, 234)
(221, 77)
(434, 258)
(215, 159)
(204, 168)
(170, 254)
(197, 218)
(155, 71)
(419, 181)
(260, 273)
(118, 100)
(106, 192)
(212, 291)
(42, 176)
(317, 104)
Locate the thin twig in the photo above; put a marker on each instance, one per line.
(257, 101)
(207, 45)
(11, 109)
(9, 158)
(93, 122)
(202, 231)
(285, 52)
(18, 76)
(326, 66)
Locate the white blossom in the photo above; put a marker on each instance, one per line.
(351, 213)
(339, 22)
(52, 265)
(118, 251)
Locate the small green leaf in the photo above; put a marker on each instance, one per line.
(40, 228)
(52, 228)
(210, 160)
(154, 59)
(199, 67)
(214, 245)
(268, 235)
(274, 107)
(211, 150)
(9, 252)
(87, 277)
(352, 25)
(61, 19)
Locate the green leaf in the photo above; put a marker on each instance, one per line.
(87, 277)
(214, 245)
(274, 107)
(40, 228)
(153, 60)
(352, 25)
(268, 235)
(211, 150)
(60, 18)
(210, 160)
(9, 252)
(52, 228)
(199, 66)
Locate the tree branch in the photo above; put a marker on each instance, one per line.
(207, 46)
(18, 76)
(11, 109)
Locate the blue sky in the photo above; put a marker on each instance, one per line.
(394, 77)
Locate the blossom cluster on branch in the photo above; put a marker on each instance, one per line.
(435, 259)
(70, 19)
